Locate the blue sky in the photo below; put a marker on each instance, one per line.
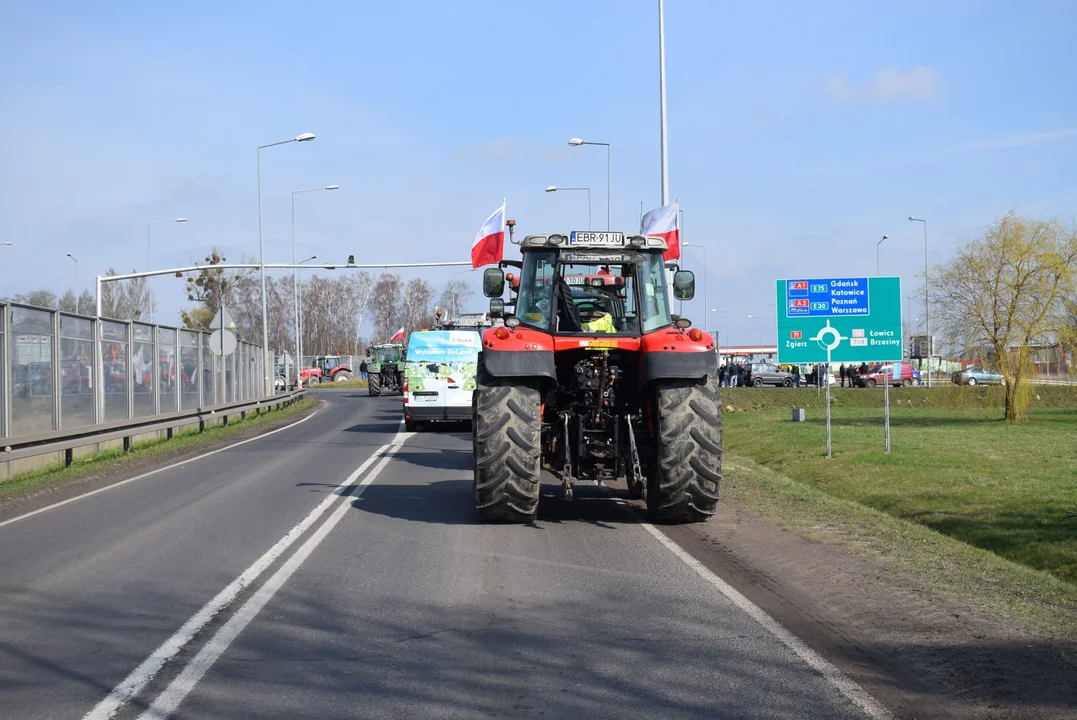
(799, 133)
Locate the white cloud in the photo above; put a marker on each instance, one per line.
(889, 84)
(1017, 140)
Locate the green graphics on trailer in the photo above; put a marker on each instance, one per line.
(442, 355)
(839, 320)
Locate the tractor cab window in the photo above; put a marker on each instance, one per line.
(535, 300)
(330, 363)
(387, 355)
(654, 298)
(597, 298)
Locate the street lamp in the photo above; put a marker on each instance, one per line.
(706, 285)
(877, 254)
(149, 266)
(295, 271)
(757, 317)
(554, 188)
(927, 311)
(267, 388)
(299, 325)
(576, 142)
(726, 337)
(76, 281)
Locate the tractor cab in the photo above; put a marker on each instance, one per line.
(588, 282)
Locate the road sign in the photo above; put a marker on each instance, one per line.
(839, 320)
(223, 342)
(223, 320)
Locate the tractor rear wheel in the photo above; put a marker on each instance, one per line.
(683, 483)
(342, 376)
(507, 448)
(373, 385)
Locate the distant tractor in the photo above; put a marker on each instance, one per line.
(385, 369)
(325, 368)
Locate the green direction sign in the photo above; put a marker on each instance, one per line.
(839, 320)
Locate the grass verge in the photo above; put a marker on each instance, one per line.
(108, 460)
(340, 385)
(1009, 489)
(1037, 601)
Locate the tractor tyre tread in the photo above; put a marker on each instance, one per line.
(684, 482)
(507, 449)
(373, 385)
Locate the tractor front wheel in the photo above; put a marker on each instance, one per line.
(682, 485)
(507, 448)
(373, 385)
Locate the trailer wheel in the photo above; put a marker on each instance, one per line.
(507, 448)
(683, 483)
(373, 385)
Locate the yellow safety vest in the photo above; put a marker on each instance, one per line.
(603, 324)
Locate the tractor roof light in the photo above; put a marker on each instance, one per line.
(558, 239)
(682, 323)
(512, 322)
(637, 241)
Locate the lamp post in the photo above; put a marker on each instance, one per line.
(576, 142)
(706, 285)
(267, 387)
(757, 317)
(299, 325)
(554, 188)
(76, 281)
(452, 287)
(927, 311)
(149, 265)
(877, 254)
(662, 102)
(726, 336)
(295, 271)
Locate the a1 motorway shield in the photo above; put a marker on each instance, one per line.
(839, 320)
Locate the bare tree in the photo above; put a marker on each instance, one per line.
(1006, 291)
(386, 306)
(455, 296)
(418, 299)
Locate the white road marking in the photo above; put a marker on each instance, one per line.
(847, 687)
(148, 669)
(154, 472)
(170, 699)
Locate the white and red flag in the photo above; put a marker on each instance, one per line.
(398, 336)
(489, 245)
(663, 222)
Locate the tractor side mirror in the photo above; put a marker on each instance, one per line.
(493, 282)
(497, 307)
(684, 285)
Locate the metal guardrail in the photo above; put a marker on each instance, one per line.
(29, 446)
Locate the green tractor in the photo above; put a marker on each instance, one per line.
(385, 369)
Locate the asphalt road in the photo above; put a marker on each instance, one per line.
(247, 584)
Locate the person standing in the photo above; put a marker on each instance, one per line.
(796, 376)
(841, 372)
(362, 370)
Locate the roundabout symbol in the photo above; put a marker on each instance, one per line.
(828, 338)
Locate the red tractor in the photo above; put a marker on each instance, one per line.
(325, 368)
(594, 379)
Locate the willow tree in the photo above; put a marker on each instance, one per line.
(1007, 291)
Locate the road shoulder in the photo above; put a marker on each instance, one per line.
(163, 455)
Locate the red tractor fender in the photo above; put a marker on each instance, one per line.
(338, 368)
(519, 352)
(672, 354)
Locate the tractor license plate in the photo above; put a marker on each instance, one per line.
(580, 237)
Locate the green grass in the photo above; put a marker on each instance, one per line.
(961, 471)
(109, 460)
(341, 385)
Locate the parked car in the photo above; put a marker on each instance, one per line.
(975, 375)
(877, 374)
(767, 374)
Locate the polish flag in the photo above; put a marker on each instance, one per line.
(398, 336)
(663, 223)
(488, 247)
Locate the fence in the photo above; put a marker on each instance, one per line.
(61, 371)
